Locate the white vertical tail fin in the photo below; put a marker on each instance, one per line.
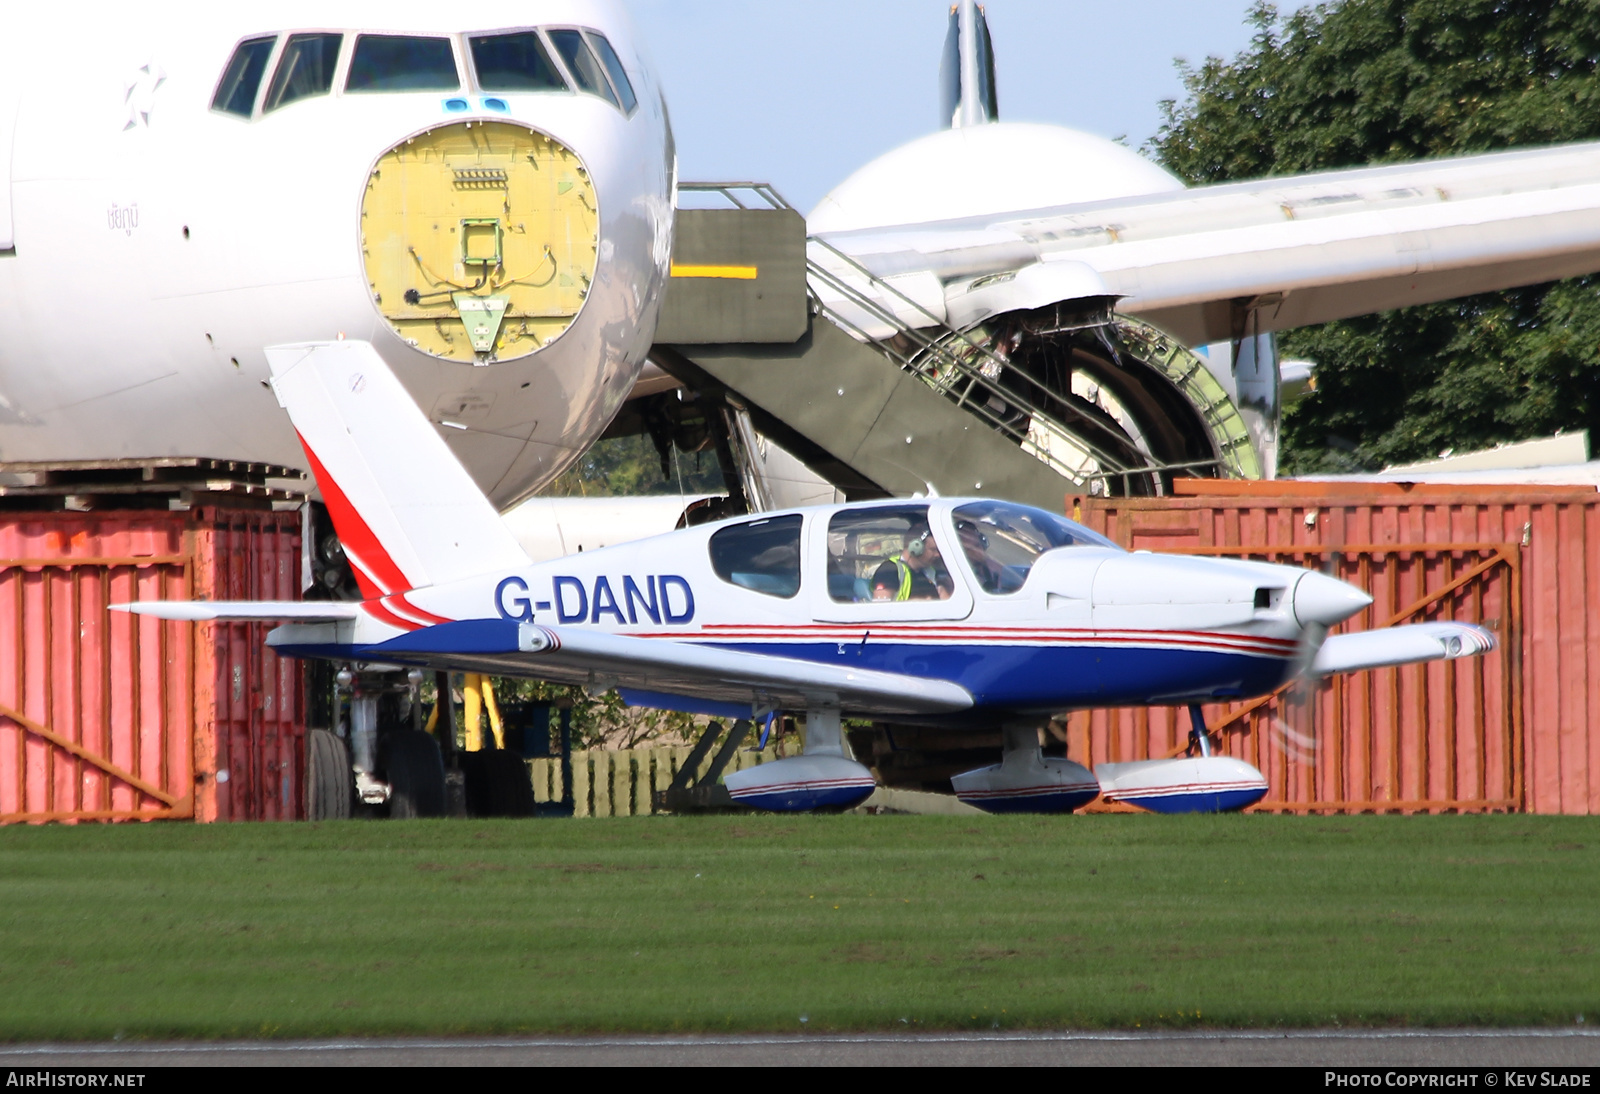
(407, 512)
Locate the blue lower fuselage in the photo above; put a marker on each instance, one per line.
(1003, 678)
(1047, 679)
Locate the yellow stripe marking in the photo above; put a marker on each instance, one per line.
(738, 273)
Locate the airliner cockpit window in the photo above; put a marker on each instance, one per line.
(236, 94)
(613, 63)
(583, 65)
(760, 555)
(514, 62)
(1001, 540)
(305, 69)
(393, 62)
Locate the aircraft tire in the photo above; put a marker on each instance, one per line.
(327, 777)
(497, 784)
(415, 772)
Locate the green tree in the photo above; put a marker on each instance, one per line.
(630, 465)
(603, 720)
(599, 720)
(1373, 81)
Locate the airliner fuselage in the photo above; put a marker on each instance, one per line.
(490, 207)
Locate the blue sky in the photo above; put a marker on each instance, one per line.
(801, 94)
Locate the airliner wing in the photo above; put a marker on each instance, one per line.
(1285, 252)
(568, 655)
(1401, 646)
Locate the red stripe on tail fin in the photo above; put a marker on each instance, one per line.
(384, 577)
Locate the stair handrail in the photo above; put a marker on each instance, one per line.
(936, 350)
(933, 353)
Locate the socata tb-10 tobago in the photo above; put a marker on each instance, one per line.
(946, 611)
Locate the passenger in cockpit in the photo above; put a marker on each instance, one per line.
(886, 581)
(975, 545)
(918, 573)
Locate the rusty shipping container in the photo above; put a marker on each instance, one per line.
(1518, 729)
(110, 716)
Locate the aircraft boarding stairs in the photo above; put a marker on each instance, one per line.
(767, 322)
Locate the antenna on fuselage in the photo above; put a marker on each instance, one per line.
(966, 73)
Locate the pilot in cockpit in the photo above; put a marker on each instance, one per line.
(917, 573)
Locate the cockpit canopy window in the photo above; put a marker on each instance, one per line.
(613, 65)
(583, 65)
(392, 62)
(762, 555)
(886, 552)
(1002, 540)
(236, 94)
(514, 62)
(305, 69)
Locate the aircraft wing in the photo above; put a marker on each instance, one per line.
(568, 655)
(254, 611)
(1278, 253)
(1401, 646)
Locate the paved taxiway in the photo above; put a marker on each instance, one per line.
(1577, 1047)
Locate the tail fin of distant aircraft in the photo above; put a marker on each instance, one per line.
(966, 72)
(407, 512)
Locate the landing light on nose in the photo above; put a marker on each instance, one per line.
(1326, 600)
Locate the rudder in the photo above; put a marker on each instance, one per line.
(407, 512)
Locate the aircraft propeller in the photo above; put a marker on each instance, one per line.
(1321, 600)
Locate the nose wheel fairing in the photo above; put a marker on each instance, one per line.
(1196, 784)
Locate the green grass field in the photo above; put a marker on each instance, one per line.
(789, 923)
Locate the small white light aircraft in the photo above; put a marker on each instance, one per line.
(949, 611)
(486, 198)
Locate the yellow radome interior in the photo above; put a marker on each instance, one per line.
(479, 239)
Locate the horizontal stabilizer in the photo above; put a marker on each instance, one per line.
(261, 611)
(603, 661)
(1402, 646)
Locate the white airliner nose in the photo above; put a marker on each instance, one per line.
(1326, 600)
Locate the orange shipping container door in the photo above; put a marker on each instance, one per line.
(110, 716)
(252, 696)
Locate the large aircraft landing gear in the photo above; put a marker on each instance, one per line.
(823, 778)
(328, 784)
(1026, 780)
(495, 783)
(394, 763)
(411, 760)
